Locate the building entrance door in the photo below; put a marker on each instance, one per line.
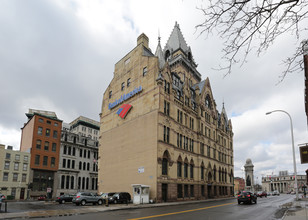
(22, 193)
(164, 192)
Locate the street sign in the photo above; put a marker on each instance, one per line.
(304, 154)
(49, 190)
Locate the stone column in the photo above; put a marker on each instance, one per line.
(249, 179)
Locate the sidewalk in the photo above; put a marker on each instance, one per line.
(90, 209)
(297, 210)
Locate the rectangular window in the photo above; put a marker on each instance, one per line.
(37, 160)
(46, 146)
(40, 131)
(24, 177)
(16, 166)
(64, 163)
(17, 157)
(185, 190)
(56, 124)
(145, 70)
(201, 148)
(166, 107)
(45, 161)
(192, 194)
(47, 132)
(25, 167)
(180, 192)
(54, 147)
(15, 177)
(53, 162)
(55, 134)
(167, 87)
(122, 86)
(5, 176)
(202, 190)
(166, 134)
(110, 94)
(49, 122)
(180, 140)
(68, 164)
(202, 173)
(128, 82)
(38, 144)
(6, 165)
(26, 158)
(41, 120)
(73, 164)
(208, 151)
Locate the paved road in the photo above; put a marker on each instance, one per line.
(267, 208)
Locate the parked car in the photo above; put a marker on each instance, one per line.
(261, 194)
(276, 193)
(83, 198)
(41, 198)
(246, 197)
(121, 197)
(104, 196)
(65, 198)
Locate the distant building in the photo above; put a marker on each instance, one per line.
(14, 172)
(239, 184)
(283, 183)
(85, 127)
(78, 170)
(160, 127)
(41, 137)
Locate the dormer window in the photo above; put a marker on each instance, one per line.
(208, 103)
(167, 55)
(189, 56)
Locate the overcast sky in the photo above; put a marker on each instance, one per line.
(60, 55)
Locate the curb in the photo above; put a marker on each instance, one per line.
(85, 210)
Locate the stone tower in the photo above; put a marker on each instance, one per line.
(249, 183)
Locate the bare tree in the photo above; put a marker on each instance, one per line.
(243, 24)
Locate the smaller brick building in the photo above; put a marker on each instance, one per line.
(41, 137)
(239, 184)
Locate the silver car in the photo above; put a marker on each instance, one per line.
(83, 198)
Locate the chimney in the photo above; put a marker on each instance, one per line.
(143, 39)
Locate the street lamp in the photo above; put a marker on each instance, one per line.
(294, 160)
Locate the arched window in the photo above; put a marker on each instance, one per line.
(72, 182)
(165, 160)
(84, 165)
(185, 170)
(214, 173)
(79, 182)
(191, 171)
(202, 172)
(87, 185)
(80, 165)
(62, 181)
(83, 182)
(167, 54)
(208, 102)
(67, 182)
(209, 176)
(88, 166)
(165, 166)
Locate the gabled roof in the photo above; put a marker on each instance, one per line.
(176, 40)
(200, 85)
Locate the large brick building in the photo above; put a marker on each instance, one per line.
(41, 138)
(160, 127)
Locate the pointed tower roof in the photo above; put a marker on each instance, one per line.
(176, 40)
(159, 53)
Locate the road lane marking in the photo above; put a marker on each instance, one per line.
(175, 213)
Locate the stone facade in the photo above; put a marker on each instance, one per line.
(160, 127)
(14, 172)
(77, 167)
(283, 183)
